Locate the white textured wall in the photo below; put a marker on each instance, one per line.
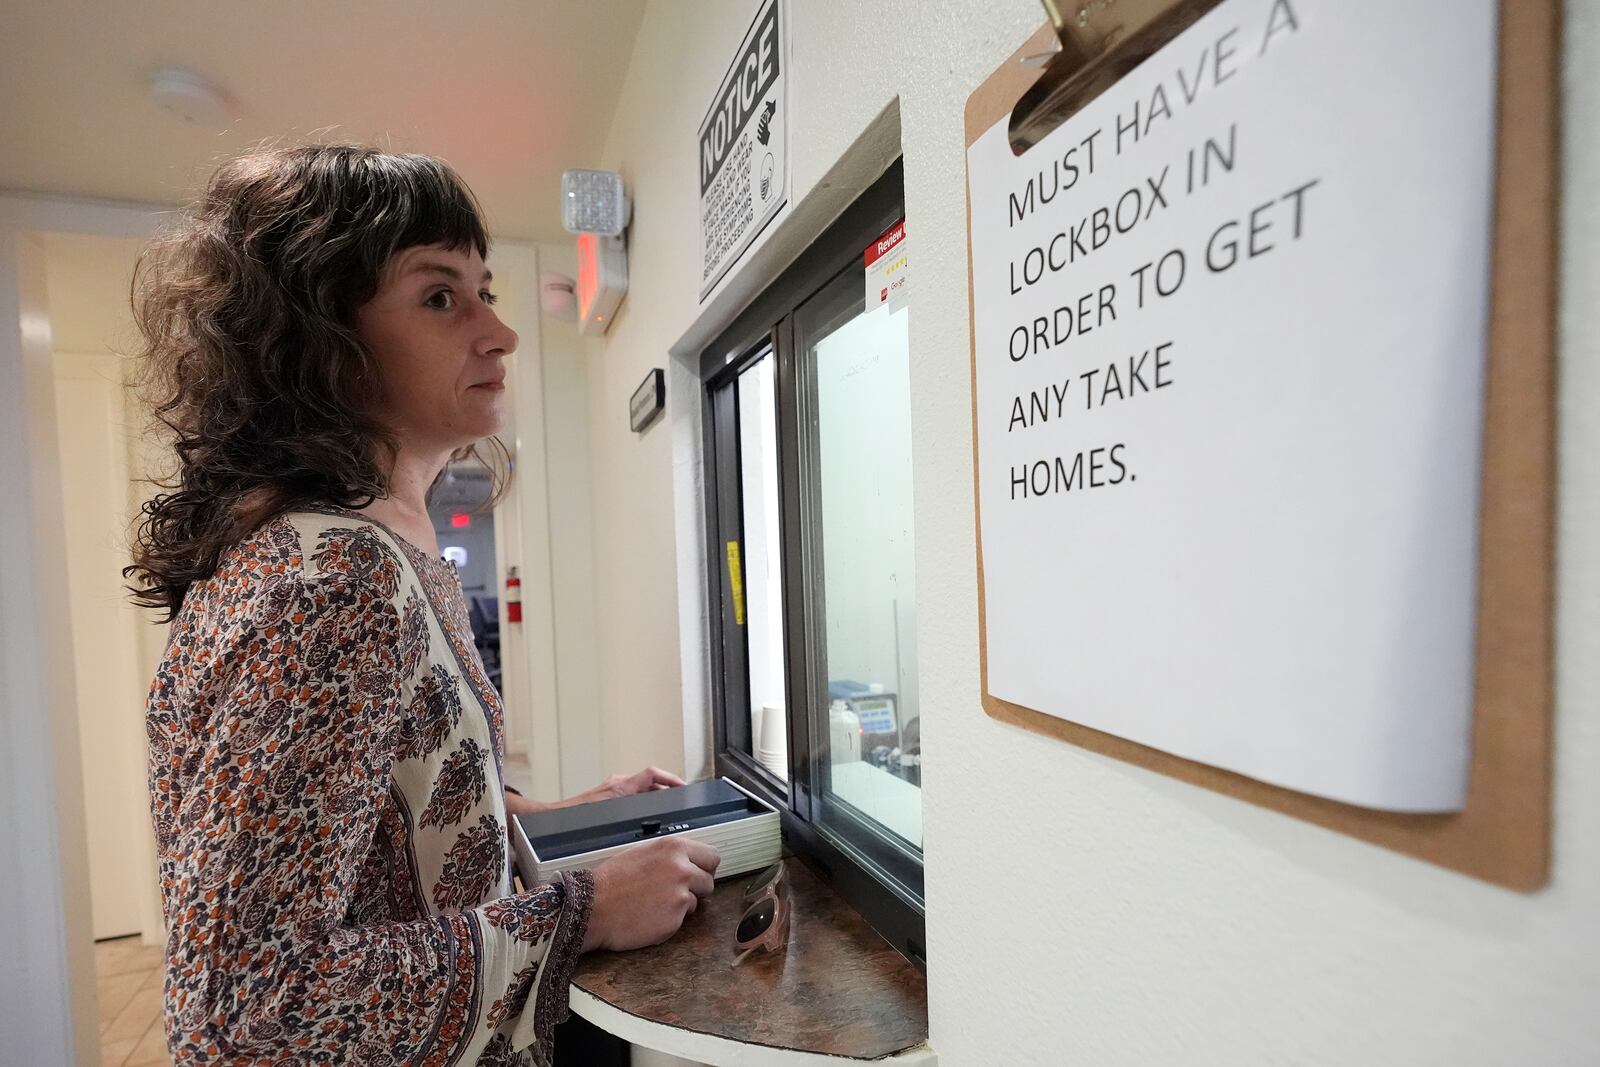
(636, 582)
(565, 359)
(1125, 917)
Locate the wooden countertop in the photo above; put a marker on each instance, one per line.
(838, 990)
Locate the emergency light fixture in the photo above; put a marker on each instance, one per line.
(595, 206)
(602, 279)
(594, 201)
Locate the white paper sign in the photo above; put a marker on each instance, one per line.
(742, 148)
(1229, 325)
(886, 272)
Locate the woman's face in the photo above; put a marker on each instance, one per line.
(441, 349)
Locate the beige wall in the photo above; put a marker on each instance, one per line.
(96, 495)
(104, 460)
(1123, 917)
(566, 361)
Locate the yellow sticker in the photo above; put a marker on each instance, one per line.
(736, 581)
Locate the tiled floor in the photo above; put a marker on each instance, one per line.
(128, 982)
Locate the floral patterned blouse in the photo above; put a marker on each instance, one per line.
(325, 771)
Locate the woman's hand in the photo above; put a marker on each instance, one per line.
(618, 785)
(643, 895)
(626, 785)
(517, 804)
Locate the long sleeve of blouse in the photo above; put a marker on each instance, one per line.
(325, 772)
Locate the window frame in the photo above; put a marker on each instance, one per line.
(881, 878)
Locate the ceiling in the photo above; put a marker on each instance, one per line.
(512, 92)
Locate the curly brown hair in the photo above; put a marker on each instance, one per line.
(250, 358)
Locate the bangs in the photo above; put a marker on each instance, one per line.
(399, 201)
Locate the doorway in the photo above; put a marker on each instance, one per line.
(104, 463)
(465, 527)
(100, 462)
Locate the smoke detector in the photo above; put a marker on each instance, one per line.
(558, 296)
(188, 96)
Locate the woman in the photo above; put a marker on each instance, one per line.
(325, 750)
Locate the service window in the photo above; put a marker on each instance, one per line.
(813, 627)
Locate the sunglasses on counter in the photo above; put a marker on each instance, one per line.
(765, 924)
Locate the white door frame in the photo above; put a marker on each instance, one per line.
(522, 536)
(47, 990)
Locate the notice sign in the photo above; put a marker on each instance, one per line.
(1229, 364)
(886, 270)
(743, 149)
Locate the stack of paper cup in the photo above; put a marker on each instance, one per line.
(773, 750)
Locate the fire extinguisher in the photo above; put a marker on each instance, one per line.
(513, 596)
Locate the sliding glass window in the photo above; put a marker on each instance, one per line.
(808, 448)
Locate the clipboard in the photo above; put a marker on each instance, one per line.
(1502, 834)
